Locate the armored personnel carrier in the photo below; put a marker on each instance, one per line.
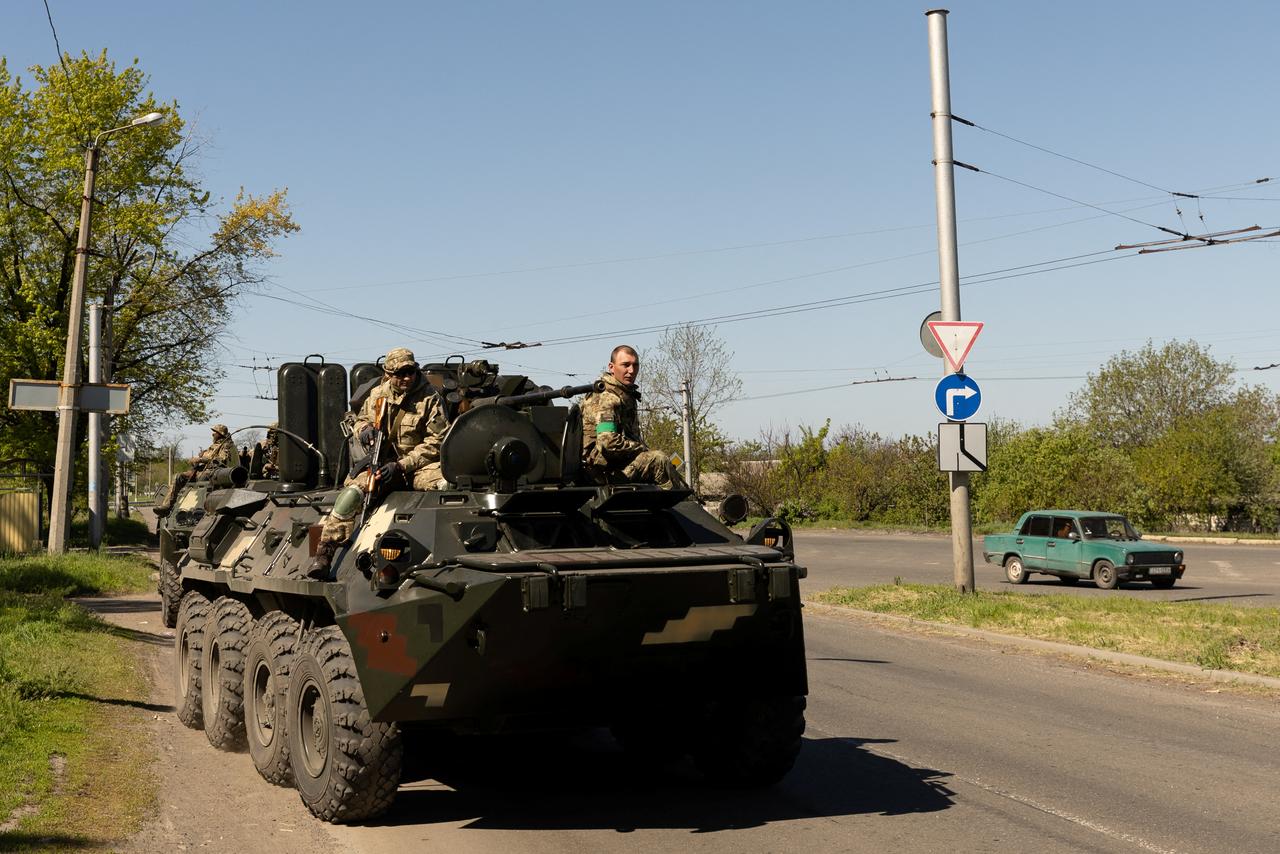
(523, 595)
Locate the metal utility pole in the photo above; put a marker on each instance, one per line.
(97, 496)
(686, 412)
(949, 268)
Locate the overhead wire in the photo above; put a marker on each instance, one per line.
(66, 72)
(852, 299)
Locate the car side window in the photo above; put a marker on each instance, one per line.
(1063, 527)
(1036, 526)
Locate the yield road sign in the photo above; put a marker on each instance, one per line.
(957, 397)
(956, 338)
(962, 447)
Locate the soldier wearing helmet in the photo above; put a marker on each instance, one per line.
(612, 447)
(413, 427)
(220, 454)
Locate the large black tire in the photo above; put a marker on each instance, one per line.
(652, 739)
(1015, 571)
(751, 743)
(346, 767)
(188, 640)
(268, 659)
(170, 587)
(222, 673)
(1104, 575)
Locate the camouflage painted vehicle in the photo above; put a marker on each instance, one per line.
(520, 597)
(174, 531)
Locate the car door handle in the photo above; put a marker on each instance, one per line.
(1018, 541)
(1051, 544)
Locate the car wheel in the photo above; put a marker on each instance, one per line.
(1104, 575)
(1163, 583)
(1015, 571)
(1069, 579)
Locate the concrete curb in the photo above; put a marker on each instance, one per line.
(1217, 541)
(1053, 646)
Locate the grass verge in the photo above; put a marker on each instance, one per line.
(73, 750)
(1218, 637)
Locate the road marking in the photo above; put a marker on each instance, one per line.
(1025, 801)
(1224, 568)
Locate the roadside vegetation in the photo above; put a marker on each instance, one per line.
(73, 751)
(1164, 435)
(1217, 637)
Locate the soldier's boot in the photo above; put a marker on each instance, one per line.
(321, 566)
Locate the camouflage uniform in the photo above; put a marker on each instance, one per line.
(271, 452)
(621, 455)
(221, 454)
(414, 426)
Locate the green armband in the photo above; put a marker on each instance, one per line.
(606, 427)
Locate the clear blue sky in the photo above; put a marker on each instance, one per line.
(506, 170)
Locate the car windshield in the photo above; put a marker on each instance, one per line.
(1108, 528)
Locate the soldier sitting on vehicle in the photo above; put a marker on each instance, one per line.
(412, 427)
(612, 447)
(220, 454)
(269, 451)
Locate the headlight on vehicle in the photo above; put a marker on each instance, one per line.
(1177, 557)
(1129, 559)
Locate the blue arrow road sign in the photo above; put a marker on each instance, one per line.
(957, 396)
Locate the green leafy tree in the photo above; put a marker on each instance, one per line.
(1216, 465)
(1134, 397)
(1063, 466)
(164, 258)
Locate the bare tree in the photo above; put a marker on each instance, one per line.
(697, 356)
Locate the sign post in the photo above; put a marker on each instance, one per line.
(948, 266)
(53, 396)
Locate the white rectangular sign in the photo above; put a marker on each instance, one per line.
(962, 446)
(110, 398)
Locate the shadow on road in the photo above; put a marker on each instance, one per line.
(114, 701)
(122, 605)
(1208, 598)
(577, 783)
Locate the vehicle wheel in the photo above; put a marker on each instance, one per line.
(1069, 579)
(1163, 583)
(1015, 571)
(751, 742)
(170, 588)
(188, 639)
(1104, 575)
(652, 740)
(268, 658)
(222, 673)
(346, 766)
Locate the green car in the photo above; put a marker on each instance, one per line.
(1076, 544)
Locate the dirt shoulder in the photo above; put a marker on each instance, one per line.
(205, 798)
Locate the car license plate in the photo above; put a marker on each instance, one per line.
(1160, 570)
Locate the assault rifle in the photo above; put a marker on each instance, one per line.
(379, 416)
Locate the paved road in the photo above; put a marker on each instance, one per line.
(915, 743)
(1238, 574)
